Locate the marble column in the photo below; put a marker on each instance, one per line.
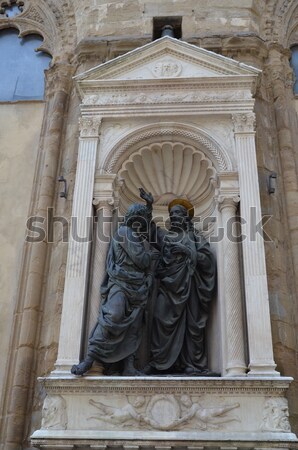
(104, 212)
(261, 362)
(235, 354)
(77, 269)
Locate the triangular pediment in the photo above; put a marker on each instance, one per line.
(167, 58)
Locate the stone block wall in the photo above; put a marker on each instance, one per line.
(85, 33)
(131, 18)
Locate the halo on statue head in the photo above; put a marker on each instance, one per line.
(182, 202)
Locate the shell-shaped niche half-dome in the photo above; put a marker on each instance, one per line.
(169, 170)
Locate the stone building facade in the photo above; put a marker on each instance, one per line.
(43, 140)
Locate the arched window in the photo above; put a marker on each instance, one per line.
(21, 67)
(294, 64)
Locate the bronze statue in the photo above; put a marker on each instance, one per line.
(186, 271)
(117, 334)
(187, 274)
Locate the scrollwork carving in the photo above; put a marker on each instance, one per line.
(230, 201)
(103, 202)
(135, 98)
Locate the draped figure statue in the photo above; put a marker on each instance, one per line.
(117, 334)
(187, 283)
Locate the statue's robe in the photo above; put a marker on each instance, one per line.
(187, 285)
(125, 291)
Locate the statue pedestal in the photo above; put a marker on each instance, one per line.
(163, 412)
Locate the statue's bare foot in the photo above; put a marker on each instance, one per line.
(129, 369)
(148, 370)
(84, 366)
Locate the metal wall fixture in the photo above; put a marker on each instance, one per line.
(272, 183)
(63, 194)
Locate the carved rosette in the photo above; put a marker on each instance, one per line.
(89, 126)
(244, 123)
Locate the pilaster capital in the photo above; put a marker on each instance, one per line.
(89, 126)
(228, 201)
(244, 122)
(103, 202)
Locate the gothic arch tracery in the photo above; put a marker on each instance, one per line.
(279, 21)
(46, 18)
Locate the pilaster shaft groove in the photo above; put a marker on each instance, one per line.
(255, 279)
(76, 278)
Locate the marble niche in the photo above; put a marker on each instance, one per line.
(178, 120)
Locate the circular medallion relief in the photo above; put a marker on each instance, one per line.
(166, 69)
(164, 411)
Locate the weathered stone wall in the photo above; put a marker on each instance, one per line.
(19, 138)
(133, 18)
(244, 30)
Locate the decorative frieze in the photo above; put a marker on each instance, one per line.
(171, 96)
(165, 413)
(165, 410)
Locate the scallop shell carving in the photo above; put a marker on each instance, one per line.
(169, 170)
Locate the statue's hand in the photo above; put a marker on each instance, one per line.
(147, 196)
(179, 248)
(155, 254)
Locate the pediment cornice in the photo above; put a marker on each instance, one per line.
(167, 62)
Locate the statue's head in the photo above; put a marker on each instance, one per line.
(186, 401)
(181, 212)
(137, 217)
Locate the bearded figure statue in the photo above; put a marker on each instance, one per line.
(187, 284)
(117, 334)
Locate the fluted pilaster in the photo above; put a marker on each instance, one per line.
(77, 269)
(255, 279)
